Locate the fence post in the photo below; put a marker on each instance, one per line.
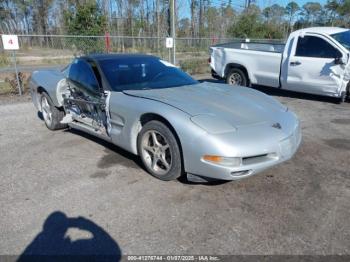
(108, 42)
(16, 71)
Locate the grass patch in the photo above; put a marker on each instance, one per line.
(60, 61)
(5, 88)
(195, 66)
(8, 83)
(4, 60)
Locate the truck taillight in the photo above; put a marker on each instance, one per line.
(209, 60)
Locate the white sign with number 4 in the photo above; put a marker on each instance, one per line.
(10, 42)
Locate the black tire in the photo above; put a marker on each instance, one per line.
(343, 98)
(165, 137)
(236, 76)
(347, 94)
(56, 115)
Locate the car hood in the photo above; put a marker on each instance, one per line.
(237, 106)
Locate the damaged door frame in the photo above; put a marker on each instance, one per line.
(81, 112)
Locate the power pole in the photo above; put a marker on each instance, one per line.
(172, 28)
(247, 3)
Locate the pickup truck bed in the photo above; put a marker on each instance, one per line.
(263, 59)
(255, 46)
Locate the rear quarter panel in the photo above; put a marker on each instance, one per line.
(47, 81)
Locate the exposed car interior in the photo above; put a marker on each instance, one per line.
(83, 98)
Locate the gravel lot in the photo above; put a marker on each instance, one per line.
(299, 207)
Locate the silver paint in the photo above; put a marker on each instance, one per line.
(209, 119)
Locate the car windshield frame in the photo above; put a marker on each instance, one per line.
(343, 38)
(142, 73)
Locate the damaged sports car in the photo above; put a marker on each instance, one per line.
(176, 124)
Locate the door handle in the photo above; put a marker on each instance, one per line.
(296, 63)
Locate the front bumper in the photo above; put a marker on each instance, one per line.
(281, 151)
(215, 75)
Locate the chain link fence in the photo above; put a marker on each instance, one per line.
(47, 51)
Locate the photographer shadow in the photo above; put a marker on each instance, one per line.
(54, 243)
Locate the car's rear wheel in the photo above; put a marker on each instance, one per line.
(236, 77)
(159, 151)
(51, 114)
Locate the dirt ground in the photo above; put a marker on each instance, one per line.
(66, 185)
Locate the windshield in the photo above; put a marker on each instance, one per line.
(343, 38)
(137, 73)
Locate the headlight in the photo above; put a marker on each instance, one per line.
(224, 161)
(212, 124)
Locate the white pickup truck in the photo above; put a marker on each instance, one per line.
(314, 60)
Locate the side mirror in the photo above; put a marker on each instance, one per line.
(339, 61)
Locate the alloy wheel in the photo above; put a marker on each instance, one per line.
(235, 79)
(46, 110)
(156, 152)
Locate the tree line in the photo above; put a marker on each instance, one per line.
(194, 18)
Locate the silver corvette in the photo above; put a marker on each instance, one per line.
(174, 123)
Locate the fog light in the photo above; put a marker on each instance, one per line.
(241, 173)
(224, 161)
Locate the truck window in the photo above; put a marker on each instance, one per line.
(312, 46)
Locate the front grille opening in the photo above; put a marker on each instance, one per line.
(251, 160)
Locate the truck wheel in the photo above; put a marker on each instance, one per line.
(345, 95)
(159, 151)
(236, 77)
(51, 114)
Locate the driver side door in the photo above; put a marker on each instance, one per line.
(313, 68)
(86, 100)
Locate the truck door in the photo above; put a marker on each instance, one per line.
(315, 66)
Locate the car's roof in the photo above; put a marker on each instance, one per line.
(100, 57)
(322, 30)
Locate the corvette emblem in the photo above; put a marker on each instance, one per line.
(277, 125)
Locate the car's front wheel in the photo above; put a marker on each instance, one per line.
(159, 151)
(51, 114)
